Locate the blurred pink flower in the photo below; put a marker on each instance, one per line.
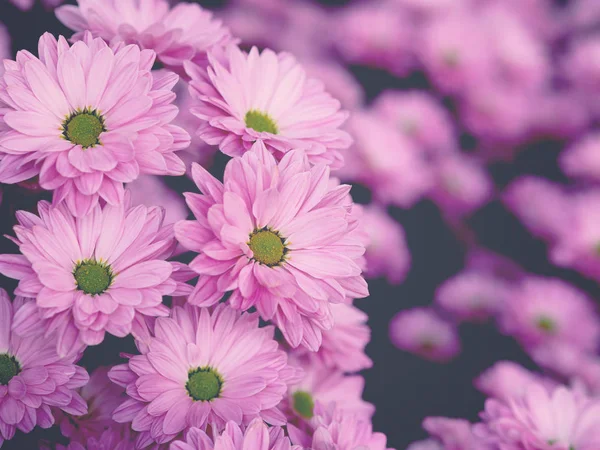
(182, 33)
(26, 5)
(303, 115)
(582, 159)
(338, 81)
(150, 191)
(422, 332)
(542, 310)
(387, 251)
(454, 434)
(385, 161)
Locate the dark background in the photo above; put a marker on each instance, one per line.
(404, 388)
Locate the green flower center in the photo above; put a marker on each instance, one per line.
(9, 368)
(260, 122)
(267, 247)
(304, 404)
(546, 324)
(93, 277)
(204, 384)
(84, 128)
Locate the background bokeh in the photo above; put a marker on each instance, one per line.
(403, 387)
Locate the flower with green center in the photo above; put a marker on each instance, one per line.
(546, 324)
(84, 128)
(303, 404)
(93, 277)
(9, 368)
(260, 122)
(204, 384)
(268, 247)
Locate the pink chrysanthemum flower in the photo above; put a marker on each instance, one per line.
(257, 436)
(320, 384)
(91, 117)
(387, 252)
(423, 332)
(334, 428)
(472, 295)
(102, 397)
(280, 236)
(543, 310)
(266, 96)
(184, 32)
(93, 274)
(26, 5)
(33, 378)
(201, 369)
(558, 420)
(343, 346)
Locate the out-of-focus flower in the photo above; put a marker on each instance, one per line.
(202, 369)
(540, 205)
(5, 51)
(283, 241)
(472, 295)
(371, 35)
(320, 384)
(93, 274)
(91, 117)
(101, 397)
(559, 419)
(582, 160)
(338, 81)
(268, 97)
(541, 310)
(150, 191)
(115, 438)
(33, 378)
(462, 185)
(454, 434)
(26, 5)
(427, 444)
(422, 332)
(334, 428)
(581, 67)
(385, 161)
(257, 436)
(507, 379)
(387, 252)
(182, 33)
(419, 116)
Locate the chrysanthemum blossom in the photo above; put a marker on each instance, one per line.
(334, 428)
(343, 346)
(184, 32)
(249, 97)
(387, 252)
(257, 436)
(423, 332)
(281, 236)
(102, 397)
(90, 117)
(558, 420)
(33, 378)
(93, 274)
(543, 310)
(201, 369)
(320, 384)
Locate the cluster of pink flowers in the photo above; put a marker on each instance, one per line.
(237, 299)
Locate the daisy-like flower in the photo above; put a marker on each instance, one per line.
(203, 368)
(280, 236)
(422, 332)
(560, 419)
(266, 97)
(334, 428)
(257, 436)
(90, 117)
(102, 397)
(33, 378)
(182, 33)
(93, 274)
(543, 310)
